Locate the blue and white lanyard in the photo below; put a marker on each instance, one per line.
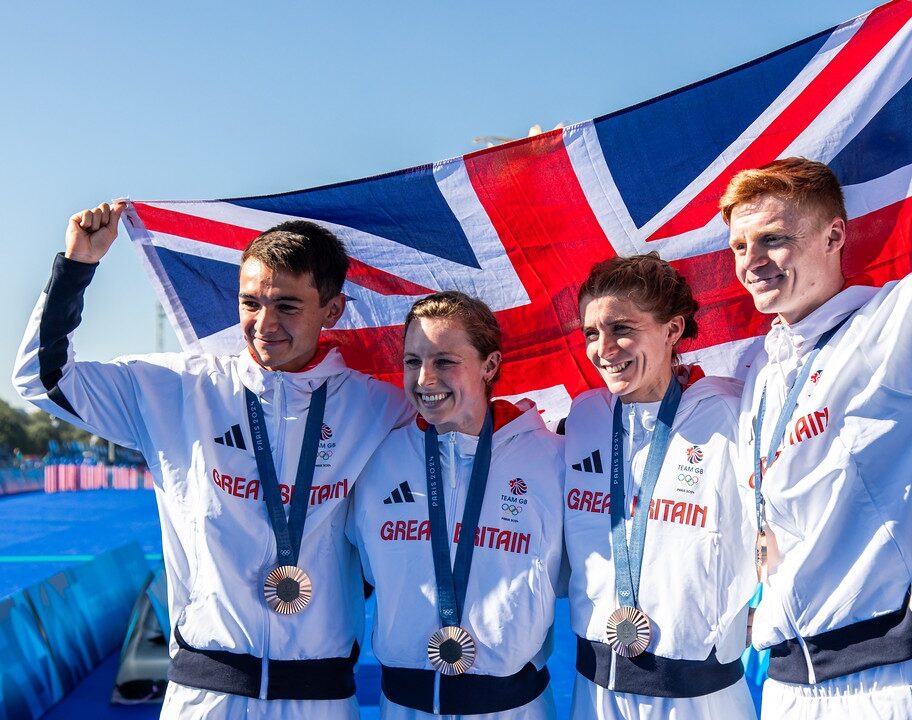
(452, 582)
(288, 532)
(628, 560)
(788, 408)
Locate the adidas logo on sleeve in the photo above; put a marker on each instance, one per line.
(232, 438)
(591, 464)
(402, 494)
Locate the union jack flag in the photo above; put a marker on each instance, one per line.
(520, 225)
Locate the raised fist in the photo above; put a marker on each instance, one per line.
(91, 232)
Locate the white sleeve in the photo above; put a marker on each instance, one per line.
(105, 399)
(353, 532)
(737, 538)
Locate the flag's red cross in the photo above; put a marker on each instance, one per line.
(534, 201)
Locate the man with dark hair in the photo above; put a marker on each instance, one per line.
(301, 247)
(825, 425)
(253, 456)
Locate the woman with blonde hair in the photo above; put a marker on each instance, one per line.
(457, 519)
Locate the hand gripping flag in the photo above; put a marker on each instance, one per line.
(520, 225)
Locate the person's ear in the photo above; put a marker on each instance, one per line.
(675, 329)
(490, 365)
(836, 236)
(333, 310)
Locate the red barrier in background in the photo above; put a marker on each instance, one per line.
(68, 477)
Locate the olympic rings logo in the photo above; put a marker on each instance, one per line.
(325, 454)
(689, 480)
(512, 509)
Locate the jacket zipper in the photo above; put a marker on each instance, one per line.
(611, 678)
(451, 521)
(436, 693)
(278, 402)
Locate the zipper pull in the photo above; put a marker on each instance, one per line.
(453, 460)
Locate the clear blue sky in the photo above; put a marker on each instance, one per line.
(184, 100)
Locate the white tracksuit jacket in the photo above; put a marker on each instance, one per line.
(509, 605)
(697, 572)
(839, 496)
(186, 414)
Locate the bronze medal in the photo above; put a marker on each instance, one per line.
(451, 650)
(287, 589)
(761, 557)
(628, 631)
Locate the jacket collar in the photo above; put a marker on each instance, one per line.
(326, 363)
(509, 420)
(784, 341)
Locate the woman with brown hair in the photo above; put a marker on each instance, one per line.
(457, 519)
(658, 540)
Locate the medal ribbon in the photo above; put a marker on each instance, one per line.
(452, 582)
(628, 561)
(288, 532)
(788, 408)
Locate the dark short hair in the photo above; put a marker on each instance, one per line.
(301, 247)
(807, 183)
(649, 282)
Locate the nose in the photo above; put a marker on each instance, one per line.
(266, 321)
(426, 376)
(754, 255)
(606, 345)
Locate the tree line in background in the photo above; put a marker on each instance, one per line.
(31, 432)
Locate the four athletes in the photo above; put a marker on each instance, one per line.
(675, 492)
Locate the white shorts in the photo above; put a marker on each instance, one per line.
(541, 708)
(593, 702)
(187, 703)
(884, 693)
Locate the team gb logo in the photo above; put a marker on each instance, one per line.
(518, 486)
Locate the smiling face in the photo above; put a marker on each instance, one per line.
(630, 349)
(445, 376)
(281, 315)
(788, 257)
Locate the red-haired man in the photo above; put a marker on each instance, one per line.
(825, 415)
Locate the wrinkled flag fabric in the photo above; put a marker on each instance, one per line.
(520, 225)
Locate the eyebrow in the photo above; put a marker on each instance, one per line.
(283, 298)
(434, 355)
(612, 321)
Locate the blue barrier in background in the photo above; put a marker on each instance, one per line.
(55, 632)
(17, 480)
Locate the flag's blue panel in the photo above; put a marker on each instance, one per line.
(208, 290)
(656, 149)
(882, 146)
(407, 208)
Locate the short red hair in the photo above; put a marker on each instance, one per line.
(804, 182)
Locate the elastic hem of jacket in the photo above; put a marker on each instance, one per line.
(883, 640)
(463, 694)
(654, 675)
(240, 674)
(60, 316)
